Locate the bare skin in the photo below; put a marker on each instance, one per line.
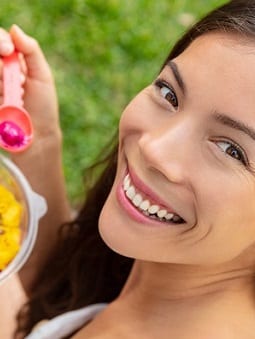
(12, 296)
(193, 284)
(193, 307)
(187, 283)
(42, 162)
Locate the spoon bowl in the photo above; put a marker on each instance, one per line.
(16, 130)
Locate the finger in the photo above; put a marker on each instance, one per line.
(23, 65)
(6, 44)
(22, 79)
(22, 91)
(37, 66)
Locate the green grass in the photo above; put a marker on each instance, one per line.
(102, 53)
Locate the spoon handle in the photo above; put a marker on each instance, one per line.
(12, 81)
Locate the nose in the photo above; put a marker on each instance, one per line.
(170, 151)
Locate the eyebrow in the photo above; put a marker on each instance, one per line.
(235, 124)
(220, 117)
(177, 75)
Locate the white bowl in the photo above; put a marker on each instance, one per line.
(33, 208)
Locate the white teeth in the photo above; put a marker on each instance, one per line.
(153, 209)
(126, 183)
(162, 213)
(148, 209)
(169, 216)
(127, 179)
(131, 192)
(144, 205)
(137, 200)
(126, 186)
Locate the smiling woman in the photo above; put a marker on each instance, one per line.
(174, 140)
(174, 253)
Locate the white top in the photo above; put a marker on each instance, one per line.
(66, 323)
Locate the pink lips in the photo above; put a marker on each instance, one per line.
(147, 192)
(133, 211)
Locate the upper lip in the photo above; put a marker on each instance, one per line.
(151, 195)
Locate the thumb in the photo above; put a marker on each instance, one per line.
(37, 66)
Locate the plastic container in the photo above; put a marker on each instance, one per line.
(32, 207)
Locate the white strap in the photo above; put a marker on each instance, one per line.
(65, 324)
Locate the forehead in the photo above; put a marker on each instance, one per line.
(223, 48)
(222, 66)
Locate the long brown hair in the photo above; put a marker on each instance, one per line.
(84, 270)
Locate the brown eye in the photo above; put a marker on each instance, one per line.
(167, 92)
(233, 150)
(234, 153)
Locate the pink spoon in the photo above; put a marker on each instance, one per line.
(16, 130)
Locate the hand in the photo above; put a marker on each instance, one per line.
(39, 90)
(40, 101)
(12, 298)
(41, 163)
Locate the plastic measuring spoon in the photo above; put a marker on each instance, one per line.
(16, 130)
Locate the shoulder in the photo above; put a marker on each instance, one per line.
(66, 323)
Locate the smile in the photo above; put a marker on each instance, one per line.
(147, 207)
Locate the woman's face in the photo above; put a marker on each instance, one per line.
(185, 185)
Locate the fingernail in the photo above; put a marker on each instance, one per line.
(6, 47)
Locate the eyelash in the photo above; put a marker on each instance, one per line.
(170, 96)
(235, 147)
(168, 93)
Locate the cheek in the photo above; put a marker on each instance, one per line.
(227, 207)
(130, 121)
(140, 115)
(232, 198)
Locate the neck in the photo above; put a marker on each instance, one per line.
(180, 282)
(184, 301)
(169, 296)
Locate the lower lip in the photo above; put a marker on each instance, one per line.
(133, 212)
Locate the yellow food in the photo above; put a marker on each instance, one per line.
(10, 232)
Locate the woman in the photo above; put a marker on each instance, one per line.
(179, 200)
